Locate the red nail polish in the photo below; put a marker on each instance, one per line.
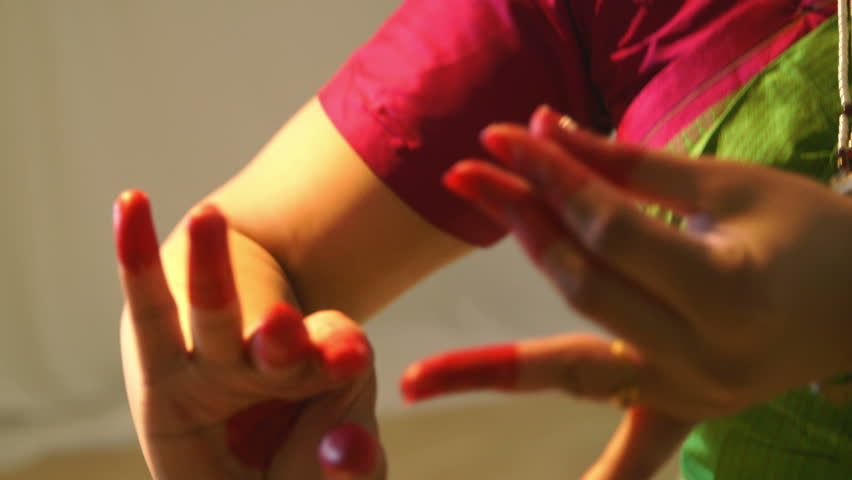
(281, 340)
(495, 367)
(544, 123)
(349, 448)
(211, 283)
(457, 179)
(255, 434)
(490, 188)
(493, 138)
(135, 238)
(345, 353)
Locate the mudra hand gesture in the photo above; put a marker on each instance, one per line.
(749, 300)
(293, 400)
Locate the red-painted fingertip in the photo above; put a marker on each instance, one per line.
(495, 139)
(496, 367)
(211, 283)
(494, 190)
(281, 340)
(350, 448)
(345, 353)
(256, 433)
(544, 122)
(206, 219)
(457, 179)
(135, 239)
(415, 387)
(509, 200)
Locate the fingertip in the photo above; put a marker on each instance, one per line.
(131, 196)
(494, 367)
(281, 340)
(211, 282)
(496, 138)
(457, 178)
(508, 199)
(412, 386)
(494, 190)
(205, 219)
(350, 449)
(543, 122)
(135, 238)
(254, 434)
(550, 124)
(345, 353)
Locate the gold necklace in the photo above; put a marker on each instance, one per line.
(842, 181)
(838, 391)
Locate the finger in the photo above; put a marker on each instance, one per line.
(214, 314)
(255, 434)
(662, 259)
(507, 197)
(583, 365)
(651, 175)
(149, 301)
(281, 344)
(494, 367)
(624, 306)
(699, 190)
(644, 441)
(342, 348)
(349, 452)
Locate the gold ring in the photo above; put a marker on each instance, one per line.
(628, 394)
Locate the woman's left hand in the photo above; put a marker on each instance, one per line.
(748, 301)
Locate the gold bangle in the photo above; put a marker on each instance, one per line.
(628, 394)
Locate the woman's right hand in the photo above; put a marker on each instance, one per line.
(294, 400)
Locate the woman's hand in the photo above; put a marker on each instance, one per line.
(748, 301)
(293, 401)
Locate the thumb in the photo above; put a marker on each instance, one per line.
(351, 452)
(642, 444)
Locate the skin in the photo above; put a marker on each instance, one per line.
(299, 259)
(490, 367)
(359, 251)
(715, 318)
(222, 406)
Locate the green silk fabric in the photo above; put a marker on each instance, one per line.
(785, 117)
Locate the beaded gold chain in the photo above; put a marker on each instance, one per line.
(842, 182)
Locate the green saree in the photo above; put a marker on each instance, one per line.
(785, 117)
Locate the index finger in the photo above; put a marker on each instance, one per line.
(649, 175)
(677, 267)
(152, 309)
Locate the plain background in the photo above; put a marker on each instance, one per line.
(174, 97)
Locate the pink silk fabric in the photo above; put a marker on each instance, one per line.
(413, 99)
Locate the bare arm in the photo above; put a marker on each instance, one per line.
(344, 239)
(308, 223)
(311, 224)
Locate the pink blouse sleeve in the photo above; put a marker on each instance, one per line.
(413, 99)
